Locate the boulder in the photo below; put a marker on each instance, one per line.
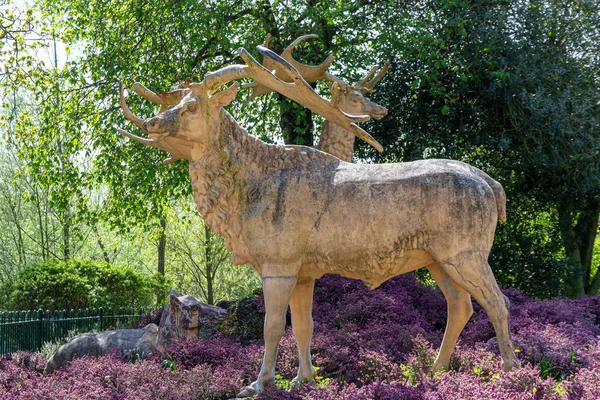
(245, 321)
(185, 318)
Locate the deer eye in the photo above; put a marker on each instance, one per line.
(192, 108)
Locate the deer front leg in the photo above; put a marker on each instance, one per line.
(277, 291)
(302, 325)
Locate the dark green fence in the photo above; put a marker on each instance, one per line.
(29, 330)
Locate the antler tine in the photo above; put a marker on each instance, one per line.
(214, 80)
(147, 93)
(310, 73)
(267, 39)
(165, 99)
(371, 84)
(138, 139)
(301, 92)
(183, 84)
(128, 114)
(288, 50)
(364, 80)
(173, 97)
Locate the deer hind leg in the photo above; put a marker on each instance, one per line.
(277, 291)
(302, 325)
(460, 310)
(472, 271)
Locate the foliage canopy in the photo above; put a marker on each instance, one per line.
(510, 86)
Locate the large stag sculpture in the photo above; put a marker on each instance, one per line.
(296, 213)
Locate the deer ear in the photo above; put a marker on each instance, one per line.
(335, 94)
(175, 303)
(224, 97)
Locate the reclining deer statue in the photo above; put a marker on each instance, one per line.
(296, 213)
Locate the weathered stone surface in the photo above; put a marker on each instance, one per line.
(245, 321)
(96, 344)
(352, 100)
(183, 318)
(296, 213)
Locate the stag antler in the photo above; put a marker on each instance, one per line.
(298, 90)
(301, 92)
(310, 73)
(365, 85)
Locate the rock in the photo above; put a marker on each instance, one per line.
(245, 321)
(185, 318)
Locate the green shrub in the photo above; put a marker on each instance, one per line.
(121, 287)
(74, 284)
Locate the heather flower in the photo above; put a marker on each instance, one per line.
(585, 384)
(367, 345)
(559, 350)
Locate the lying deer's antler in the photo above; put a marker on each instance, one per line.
(365, 85)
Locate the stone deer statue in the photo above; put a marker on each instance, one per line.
(350, 99)
(296, 213)
(182, 319)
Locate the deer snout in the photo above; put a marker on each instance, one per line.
(152, 125)
(379, 112)
(155, 128)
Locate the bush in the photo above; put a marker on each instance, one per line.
(74, 284)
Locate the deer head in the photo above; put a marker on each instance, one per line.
(351, 98)
(189, 117)
(183, 124)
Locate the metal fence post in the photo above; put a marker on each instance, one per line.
(40, 321)
(2, 332)
(100, 319)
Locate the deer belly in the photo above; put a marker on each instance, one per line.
(373, 261)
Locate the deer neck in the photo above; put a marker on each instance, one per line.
(231, 160)
(218, 180)
(337, 141)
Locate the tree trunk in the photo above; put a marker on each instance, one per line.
(101, 244)
(66, 234)
(589, 232)
(162, 246)
(594, 286)
(208, 260)
(578, 223)
(295, 122)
